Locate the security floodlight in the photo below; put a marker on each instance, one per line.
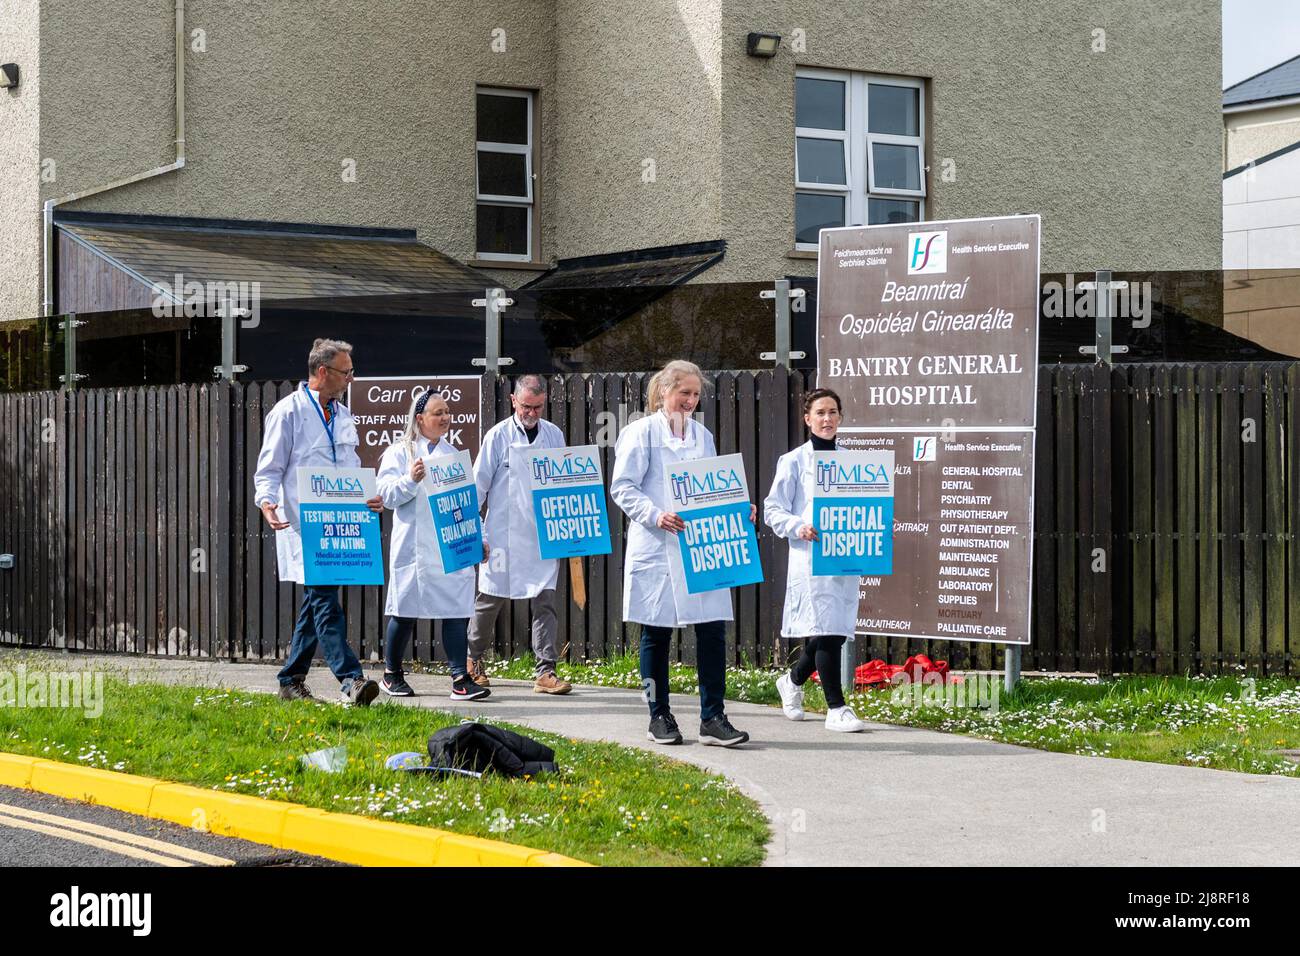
(763, 45)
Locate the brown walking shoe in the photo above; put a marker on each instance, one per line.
(548, 683)
(477, 673)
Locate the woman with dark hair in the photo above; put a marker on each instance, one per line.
(822, 610)
(417, 586)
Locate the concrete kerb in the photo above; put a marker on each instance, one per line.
(286, 826)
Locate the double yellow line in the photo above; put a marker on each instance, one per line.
(137, 847)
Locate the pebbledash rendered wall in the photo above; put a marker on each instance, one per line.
(656, 127)
(1119, 151)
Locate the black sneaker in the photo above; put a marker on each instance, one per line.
(462, 688)
(663, 730)
(361, 692)
(295, 690)
(718, 732)
(395, 685)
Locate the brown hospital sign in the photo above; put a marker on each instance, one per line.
(929, 332)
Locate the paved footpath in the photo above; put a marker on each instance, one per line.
(892, 796)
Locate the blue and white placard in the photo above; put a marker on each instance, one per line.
(568, 495)
(719, 548)
(340, 534)
(453, 499)
(853, 512)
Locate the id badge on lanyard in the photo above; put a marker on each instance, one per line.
(328, 425)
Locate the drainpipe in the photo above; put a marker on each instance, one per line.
(48, 234)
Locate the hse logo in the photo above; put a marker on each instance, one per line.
(330, 485)
(546, 468)
(927, 252)
(441, 474)
(686, 486)
(831, 474)
(924, 448)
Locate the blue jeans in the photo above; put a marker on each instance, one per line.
(321, 620)
(455, 643)
(710, 664)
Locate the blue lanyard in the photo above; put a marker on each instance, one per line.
(329, 425)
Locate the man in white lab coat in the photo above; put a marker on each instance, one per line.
(311, 428)
(515, 569)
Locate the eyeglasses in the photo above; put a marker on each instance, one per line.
(346, 373)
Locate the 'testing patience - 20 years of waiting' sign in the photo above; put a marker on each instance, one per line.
(929, 333)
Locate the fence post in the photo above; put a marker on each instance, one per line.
(782, 294)
(494, 302)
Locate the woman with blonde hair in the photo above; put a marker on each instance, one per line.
(654, 590)
(417, 586)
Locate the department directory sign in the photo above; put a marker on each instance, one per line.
(929, 333)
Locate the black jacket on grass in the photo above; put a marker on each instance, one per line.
(483, 748)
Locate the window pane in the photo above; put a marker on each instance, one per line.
(502, 119)
(893, 109)
(884, 211)
(502, 174)
(820, 160)
(503, 230)
(818, 103)
(813, 212)
(896, 167)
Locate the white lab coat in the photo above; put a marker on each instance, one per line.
(654, 591)
(814, 606)
(294, 437)
(417, 586)
(515, 568)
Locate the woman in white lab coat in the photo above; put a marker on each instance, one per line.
(417, 586)
(822, 610)
(654, 591)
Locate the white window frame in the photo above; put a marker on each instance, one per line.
(490, 199)
(859, 189)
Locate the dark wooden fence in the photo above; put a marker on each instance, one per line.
(1165, 522)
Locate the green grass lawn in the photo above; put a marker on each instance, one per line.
(1228, 723)
(609, 804)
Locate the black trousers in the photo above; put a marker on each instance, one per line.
(821, 654)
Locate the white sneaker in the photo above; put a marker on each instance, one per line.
(791, 697)
(844, 720)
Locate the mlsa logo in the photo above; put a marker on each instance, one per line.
(927, 252)
(831, 474)
(687, 485)
(570, 466)
(444, 473)
(924, 448)
(328, 484)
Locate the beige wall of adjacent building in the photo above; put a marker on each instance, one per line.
(20, 226)
(279, 99)
(639, 157)
(1251, 134)
(1120, 151)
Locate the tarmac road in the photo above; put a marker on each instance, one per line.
(41, 830)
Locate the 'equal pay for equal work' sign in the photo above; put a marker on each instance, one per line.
(340, 534)
(719, 548)
(853, 512)
(568, 500)
(453, 499)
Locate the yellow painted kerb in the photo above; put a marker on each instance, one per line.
(287, 826)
